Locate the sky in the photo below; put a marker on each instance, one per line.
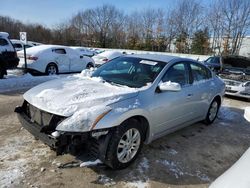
(52, 12)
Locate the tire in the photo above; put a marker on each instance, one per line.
(1, 73)
(212, 112)
(51, 69)
(121, 152)
(89, 65)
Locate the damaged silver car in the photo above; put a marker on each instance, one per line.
(131, 100)
(236, 75)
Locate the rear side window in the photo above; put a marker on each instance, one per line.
(59, 51)
(16, 45)
(200, 72)
(177, 73)
(213, 60)
(3, 42)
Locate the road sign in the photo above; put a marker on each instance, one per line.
(23, 37)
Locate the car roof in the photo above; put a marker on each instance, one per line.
(39, 48)
(4, 34)
(156, 57)
(108, 53)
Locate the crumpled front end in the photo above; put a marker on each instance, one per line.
(42, 125)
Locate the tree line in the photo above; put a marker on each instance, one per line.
(189, 27)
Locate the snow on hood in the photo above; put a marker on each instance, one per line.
(75, 93)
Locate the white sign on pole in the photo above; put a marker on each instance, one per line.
(23, 37)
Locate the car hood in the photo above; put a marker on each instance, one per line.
(67, 95)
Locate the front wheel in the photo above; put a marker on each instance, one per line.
(125, 145)
(212, 112)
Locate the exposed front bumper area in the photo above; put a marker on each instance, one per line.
(65, 142)
(57, 144)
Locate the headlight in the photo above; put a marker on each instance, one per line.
(246, 84)
(83, 120)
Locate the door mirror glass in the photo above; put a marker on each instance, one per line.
(169, 86)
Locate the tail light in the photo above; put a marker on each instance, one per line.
(32, 58)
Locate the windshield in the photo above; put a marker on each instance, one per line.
(214, 60)
(129, 71)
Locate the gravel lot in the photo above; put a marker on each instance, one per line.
(191, 157)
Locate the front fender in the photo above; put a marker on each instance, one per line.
(122, 111)
(116, 117)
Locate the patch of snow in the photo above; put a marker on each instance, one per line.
(14, 159)
(83, 119)
(173, 152)
(247, 113)
(172, 167)
(15, 83)
(237, 175)
(144, 165)
(57, 96)
(90, 163)
(106, 181)
(137, 184)
(179, 171)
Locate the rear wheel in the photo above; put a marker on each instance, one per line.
(2, 72)
(89, 66)
(52, 69)
(212, 112)
(125, 145)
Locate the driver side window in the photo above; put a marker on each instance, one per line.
(177, 73)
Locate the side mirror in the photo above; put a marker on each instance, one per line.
(81, 56)
(169, 86)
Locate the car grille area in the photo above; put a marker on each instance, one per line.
(47, 121)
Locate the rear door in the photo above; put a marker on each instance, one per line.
(77, 61)
(203, 88)
(62, 59)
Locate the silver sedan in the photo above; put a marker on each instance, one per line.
(128, 101)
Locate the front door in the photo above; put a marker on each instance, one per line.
(173, 108)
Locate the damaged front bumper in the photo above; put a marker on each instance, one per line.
(65, 142)
(56, 143)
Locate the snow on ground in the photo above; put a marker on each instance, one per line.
(137, 184)
(179, 171)
(14, 159)
(247, 113)
(236, 176)
(15, 81)
(90, 163)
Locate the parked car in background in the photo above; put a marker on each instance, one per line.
(84, 51)
(214, 63)
(54, 59)
(18, 45)
(235, 72)
(106, 56)
(8, 56)
(129, 100)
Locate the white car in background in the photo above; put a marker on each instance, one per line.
(106, 56)
(54, 59)
(18, 45)
(84, 51)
